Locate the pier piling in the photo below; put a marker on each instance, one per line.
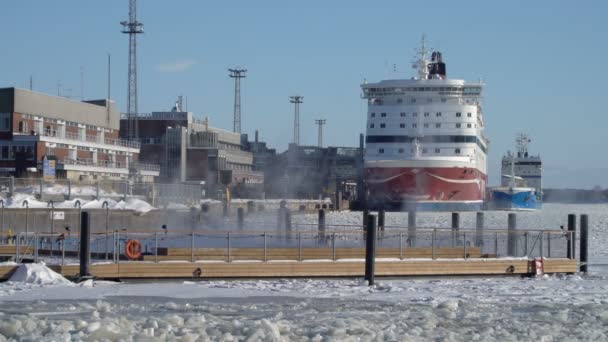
(571, 249)
(411, 228)
(381, 215)
(584, 250)
(240, 216)
(85, 240)
(511, 235)
(479, 223)
(370, 249)
(455, 227)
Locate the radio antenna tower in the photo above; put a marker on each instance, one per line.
(237, 73)
(320, 122)
(296, 100)
(132, 28)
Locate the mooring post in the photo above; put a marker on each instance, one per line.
(571, 236)
(225, 212)
(155, 248)
(411, 228)
(281, 218)
(265, 249)
(288, 221)
(321, 228)
(240, 217)
(370, 249)
(584, 250)
(85, 240)
(479, 229)
(455, 227)
(511, 235)
(11, 186)
(381, 214)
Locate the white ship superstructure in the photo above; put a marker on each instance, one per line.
(425, 141)
(526, 167)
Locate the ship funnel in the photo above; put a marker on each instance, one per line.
(437, 69)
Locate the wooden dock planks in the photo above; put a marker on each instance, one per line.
(210, 269)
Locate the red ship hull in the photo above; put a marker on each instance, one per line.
(411, 184)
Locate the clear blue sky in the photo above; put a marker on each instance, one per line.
(543, 63)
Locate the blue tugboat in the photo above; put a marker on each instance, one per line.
(521, 185)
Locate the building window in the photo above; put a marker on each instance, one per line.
(437, 150)
(414, 125)
(371, 125)
(402, 114)
(5, 152)
(438, 114)
(399, 100)
(469, 115)
(426, 114)
(424, 150)
(413, 100)
(5, 122)
(373, 115)
(437, 125)
(414, 114)
(380, 150)
(401, 150)
(426, 125)
(458, 125)
(382, 125)
(468, 125)
(457, 151)
(458, 114)
(383, 115)
(444, 100)
(402, 125)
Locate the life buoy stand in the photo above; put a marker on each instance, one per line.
(133, 249)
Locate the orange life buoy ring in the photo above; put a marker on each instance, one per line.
(133, 249)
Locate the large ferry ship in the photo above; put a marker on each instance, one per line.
(425, 148)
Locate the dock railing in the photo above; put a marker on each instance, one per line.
(335, 243)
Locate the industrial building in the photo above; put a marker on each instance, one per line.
(190, 150)
(81, 138)
(313, 172)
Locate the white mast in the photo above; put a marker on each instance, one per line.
(421, 63)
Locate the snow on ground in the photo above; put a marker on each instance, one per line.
(550, 308)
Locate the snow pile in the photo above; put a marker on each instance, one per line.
(135, 205)
(38, 274)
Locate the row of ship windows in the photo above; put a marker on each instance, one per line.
(426, 114)
(380, 101)
(424, 150)
(426, 125)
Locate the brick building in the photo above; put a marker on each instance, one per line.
(82, 136)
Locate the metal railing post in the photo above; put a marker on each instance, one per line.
(433, 242)
(464, 244)
(299, 246)
(35, 247)
(17, 247)
(192, 247)
(117, 247)
(107, 207)
(63, 252)
(548, 244)
(229, 247)
(401, 245)
(540, 246)
(496, 246)
(526, 243)
(333, 246)
(155, 247)
(265, 250)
